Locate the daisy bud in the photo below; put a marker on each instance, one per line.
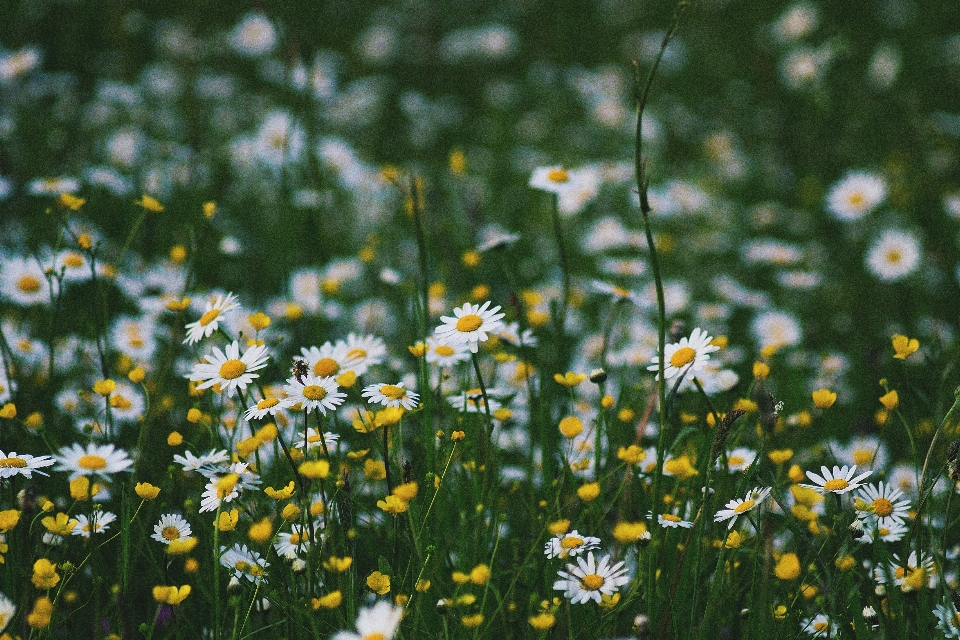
(870, 615)
(856, 529)
(598, 376)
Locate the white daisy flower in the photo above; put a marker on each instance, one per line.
(391, 395)
(379, 621)
(510, 332)
(672, 522)
(210, 460)
(311, 392)
(553, 179)
(218, 491)
(470, 325)
(329, 360)
(894, 255)
(738, 507)
(838, 480)
(590, 580)
(98, 524)
(689, 356)
(7, 611)
(890, 531)
(899, 572)
(820, 626)
(266, 407)
(364, 352)
(883, 503)
(172, 526)
(92, 460)
(445, 355)
(23, 281)
(290, 544)
(313, 439)
(856, 195)
(13, 464)
(209, 322)
(776, 329)
(740, 459)
(948, 620)
(570, 544)
(245, 563)
(471, 401)
(230, 371)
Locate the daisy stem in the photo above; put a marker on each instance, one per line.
(564, 268)
(486, 440)
(216, 573)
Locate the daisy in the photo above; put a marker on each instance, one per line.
(100, 523)
(589, 580)
(391, 395)
(948, 620)
(894, 255)
(690, 355)
(266, 407)
(364, 352)
(820, 626)
(379, 621)
(856, 195)
(289, 545)
(900, 572)
(839, 480)
(329, 360)
(218, 491)
(172, 526)
(671, 521)
(313, 439)
(471, 401)
(445, 355)
(511, 333)
(190, 462)
(245, 563)
(23, 464)
(570, 544)
(229, 371)
(740, 459)
(883, 503)
(619, 294)
(776, 329)
(100, 460)
(7, 610)
(738, 507)
(209, 322)
(554, 179)
(23, 281)
(891, 531)
(310, 392)
(470, 325)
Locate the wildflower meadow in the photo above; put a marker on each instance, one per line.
(433, 320)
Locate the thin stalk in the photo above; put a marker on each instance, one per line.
(564, 267)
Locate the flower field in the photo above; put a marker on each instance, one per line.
(490, 320)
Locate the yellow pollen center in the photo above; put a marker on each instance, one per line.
(295, 538)
(93, 463)
(325, 367)
(736, 460)
(836, 484)
(15, 463)
(856, 199)
(682, 356)
(592, 581)
(136, 342)
(313, 438)
(820, 626)
(571, 542)
(882, 507)
(862, 457)
(444, 350)
(558, 175)
(266, 403)
(894, 256)
(28, 284)
(883, 531)
(232, 369)
(376, 635)
(170, 533)
(209, 317)
(73, 260)
(669, 517)
(392, 391)
(746, 505)
(469, 322)
(314, 392)
(899, 572)
(356, 354)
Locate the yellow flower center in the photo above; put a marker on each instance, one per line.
(856, 199)
(314, 392)
(136, 342)
(469, 322)
(444, 350)
(93, 463)
(356, 354)
(899, 572)
(170, 533)
(28, 284)
(894, 256)
(73, 260)
(571, 542)
(558, 175)
(592, 581)
(819, 626)
(325, 367)
(862, 457)
(734, 461)
(295, 538)
(882, 507)
(232, 369)
(682, 356)
(669, 517)
(376, 635)
(836, 484)
(16, 463)
(392, 391)
(209, 317)
(266, 403)
(746, 505)
(883, 531)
